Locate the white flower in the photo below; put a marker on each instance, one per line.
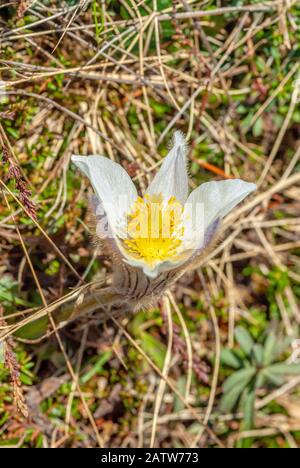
(168, 227)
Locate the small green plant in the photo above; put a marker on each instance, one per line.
(9, 293)
(98, 17)
(256, 365)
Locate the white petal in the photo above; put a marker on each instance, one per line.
(104, 231)
(219, 198)
(172, 178)
(112, 185)
(151, 272)
(155, 270)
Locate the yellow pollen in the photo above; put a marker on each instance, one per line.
(155, 229)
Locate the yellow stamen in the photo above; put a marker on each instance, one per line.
(155, 229)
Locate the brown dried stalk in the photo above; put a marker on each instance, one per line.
(14, 173)
(200, 369)
(7, 115)
(11, 363)
(21, 7)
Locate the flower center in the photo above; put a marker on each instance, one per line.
(155, 229)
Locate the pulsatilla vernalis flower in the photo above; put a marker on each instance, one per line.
(166, 229)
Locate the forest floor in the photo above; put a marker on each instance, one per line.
(117, 78)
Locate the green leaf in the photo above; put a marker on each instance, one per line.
(9, 292)
(181, 387)
(13, 132)
(270, 349)
(285, 369)
(260, 379)
(248, 408)
(34, 330)
(97, 368)
(154, 348)
(244, 339)
(230, 359)
(163, 4)
(98, 17)
(230, 398)
(160, 109)
(244, 375)
(258, 127)
(273, 378)
(248, 402)
(258, 354)
(229, 401)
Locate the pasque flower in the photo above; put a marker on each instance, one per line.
(167, 228)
